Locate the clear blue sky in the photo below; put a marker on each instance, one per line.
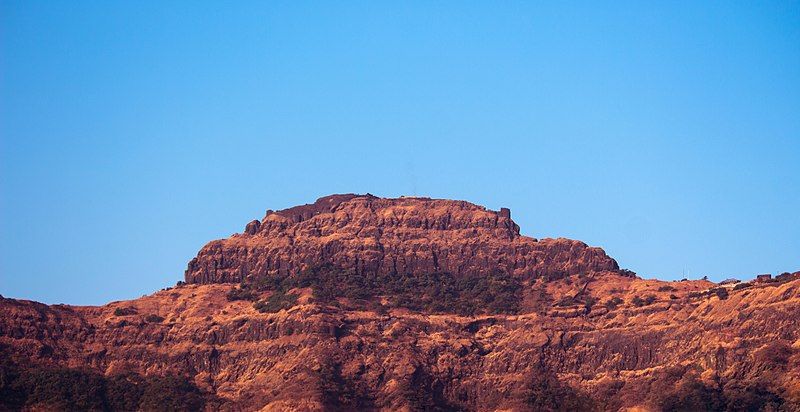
(131, 133)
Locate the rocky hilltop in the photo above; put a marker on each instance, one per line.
(362, 303)
(408, 235)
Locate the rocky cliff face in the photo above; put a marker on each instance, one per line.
(576, 335)
(387, 236)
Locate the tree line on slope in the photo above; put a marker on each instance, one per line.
(56, 388)
(439, 292)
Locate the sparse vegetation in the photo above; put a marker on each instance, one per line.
(467, 294)
(125, 311)
(667, 288)
(639, 302)
(241, 293)
(743, 285)
(153, 318)
(554, 275)
(443, 293)
(377, 307)
(589, 303)
(565, 301)
(613, 303)
(722, 293)
(276, 302)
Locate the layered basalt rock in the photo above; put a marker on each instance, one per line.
(404, 235)
(744, 350)
(577, 334)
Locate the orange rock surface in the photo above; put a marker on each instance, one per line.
(570, 346)
(405, 235)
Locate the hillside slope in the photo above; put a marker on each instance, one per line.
(304, 312)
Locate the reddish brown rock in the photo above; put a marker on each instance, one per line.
(313, 357)
(592, 338)
(404, 235)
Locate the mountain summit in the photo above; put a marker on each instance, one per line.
(407, 235)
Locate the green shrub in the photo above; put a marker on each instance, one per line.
(554, 275)
(639, 302)
(153, 318)
(565, 301)
(240, 293)
(613, 303)
(125, 311)
(276, 302)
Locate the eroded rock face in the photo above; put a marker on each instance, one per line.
(405, 235)
(582, 334)
(315, 357)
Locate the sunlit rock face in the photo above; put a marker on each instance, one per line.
(362, 303)
(404, 235)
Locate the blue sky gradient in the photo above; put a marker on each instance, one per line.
(131, 133)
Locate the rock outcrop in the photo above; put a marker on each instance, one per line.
(405, 235)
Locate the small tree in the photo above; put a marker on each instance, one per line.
(613, 303)
(153, 318)
(125, 311)
(589, 303)
(639, 302)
